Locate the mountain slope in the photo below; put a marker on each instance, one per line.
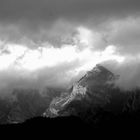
(93, 87)
(93, 97)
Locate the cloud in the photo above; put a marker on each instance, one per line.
(57, 77)
(40, 20)
(54, 9)
(76, 34)
(125, 35)
(128, 70)
(24, 67)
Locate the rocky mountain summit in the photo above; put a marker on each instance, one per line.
(93, 88)
(94, 97)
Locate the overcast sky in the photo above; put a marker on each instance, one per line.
(75, 33)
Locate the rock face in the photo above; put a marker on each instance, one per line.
(59, 103)
(93, 90)
(95, 97)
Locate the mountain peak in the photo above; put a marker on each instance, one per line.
(96, 80)
(100, 70)
(99, 74)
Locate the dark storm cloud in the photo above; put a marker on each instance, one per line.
(53, 9)
(126, 35)
(33, 19)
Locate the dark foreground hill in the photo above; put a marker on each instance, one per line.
(123, 121)
(71, 126)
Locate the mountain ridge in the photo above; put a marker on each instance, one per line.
(93, 98)
(79, 89)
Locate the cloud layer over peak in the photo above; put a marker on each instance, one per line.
(53, 42)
